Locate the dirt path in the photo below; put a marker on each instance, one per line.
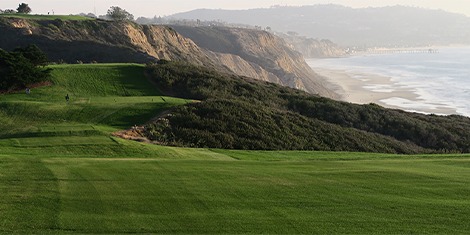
(136, 133)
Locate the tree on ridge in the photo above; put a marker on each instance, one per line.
(9, 11)
(23, 8)
(119, 14)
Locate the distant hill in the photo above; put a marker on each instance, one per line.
(367, 27)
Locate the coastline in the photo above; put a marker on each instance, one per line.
(364, 88)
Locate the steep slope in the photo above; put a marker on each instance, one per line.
(101, 41)
(261, 48)
(241, 113)
(103, 98)
(313, 48)
(258, 54)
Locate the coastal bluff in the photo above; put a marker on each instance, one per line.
(252, 53)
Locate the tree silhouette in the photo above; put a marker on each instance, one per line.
(9, 11)
(24, 8)
(117, 13)
(22, 67)
(34, 54)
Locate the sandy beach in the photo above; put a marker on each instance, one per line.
(362, 88)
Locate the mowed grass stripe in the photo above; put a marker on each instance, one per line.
(258, 196)
(114, 95)
(29, 198)
(187, 196)
(63, 141)
(85, 80)
(118, 112)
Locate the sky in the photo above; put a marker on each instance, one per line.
(150, 8)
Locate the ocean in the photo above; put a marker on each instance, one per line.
(439, 79)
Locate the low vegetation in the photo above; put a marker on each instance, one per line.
(240, 113)
(46, 17)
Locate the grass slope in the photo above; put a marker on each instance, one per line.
(101, 96)
(61, 172)
(104, 98)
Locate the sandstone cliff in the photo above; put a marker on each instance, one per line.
(250, 53)
(313, 48)
(261, 48)
(100, 41)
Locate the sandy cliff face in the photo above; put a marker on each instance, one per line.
(250, 53)
(313, 48)
(264, 49)
(242, 67)
(101, 41)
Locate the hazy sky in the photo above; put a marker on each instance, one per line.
(150, 8)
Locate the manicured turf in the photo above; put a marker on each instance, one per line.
(62, 172)
(117, 96)
(100, 80)
(213, 193)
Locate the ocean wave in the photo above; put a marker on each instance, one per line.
(439, 80)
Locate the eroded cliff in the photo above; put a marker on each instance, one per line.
(313, 48)
(100, 41)
(262, 48)
(250, 53)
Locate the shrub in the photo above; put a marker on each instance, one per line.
(241, 113)
(22, 67)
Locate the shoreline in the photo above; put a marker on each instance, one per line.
(365, 88)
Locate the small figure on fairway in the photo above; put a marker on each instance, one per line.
(28, 91)
(67, 98)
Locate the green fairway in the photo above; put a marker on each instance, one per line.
(175, 192)
(105, 96)
(61, 171)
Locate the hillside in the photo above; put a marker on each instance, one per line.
(240, 113)
(261, 48)
(62, 171)
(102, 97)
(368, 27)
(102, 41)
(96, 40)
(235, 112)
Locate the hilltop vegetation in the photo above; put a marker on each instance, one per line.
(241, 113)
(45, 17)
